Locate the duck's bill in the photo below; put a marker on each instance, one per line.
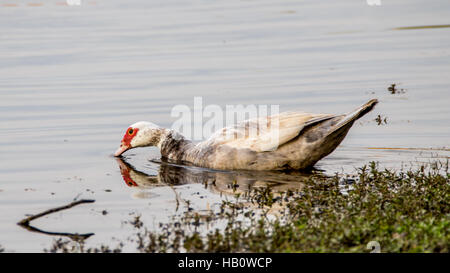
(121, 150)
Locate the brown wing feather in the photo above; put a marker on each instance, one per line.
(265, 134)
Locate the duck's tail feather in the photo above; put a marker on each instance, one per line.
(354, 115)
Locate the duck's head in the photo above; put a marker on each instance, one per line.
(139, 134)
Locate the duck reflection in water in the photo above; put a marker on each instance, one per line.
(220, 182)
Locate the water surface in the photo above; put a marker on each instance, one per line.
(72, 78)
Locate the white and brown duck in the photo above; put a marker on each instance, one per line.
(289, 140)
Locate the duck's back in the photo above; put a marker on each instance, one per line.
(265, 133)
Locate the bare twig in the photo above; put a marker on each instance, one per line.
(25, 223)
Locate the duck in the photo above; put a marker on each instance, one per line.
(288, 140)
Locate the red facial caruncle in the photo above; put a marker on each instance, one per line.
(126, 177)
(125, 171)
(126, 141)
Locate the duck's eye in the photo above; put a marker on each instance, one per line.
(130, 132)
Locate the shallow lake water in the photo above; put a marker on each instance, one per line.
(73, 78)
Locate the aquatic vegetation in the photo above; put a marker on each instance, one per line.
(421, 27)
(381, 120)
(394, 90)
(67, 246)
(401, 211)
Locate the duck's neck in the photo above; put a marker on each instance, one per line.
(173, 145)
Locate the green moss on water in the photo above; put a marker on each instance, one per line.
(404, 211)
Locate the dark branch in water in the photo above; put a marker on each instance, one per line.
(25, 223)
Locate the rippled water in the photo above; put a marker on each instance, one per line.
(72, 78)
